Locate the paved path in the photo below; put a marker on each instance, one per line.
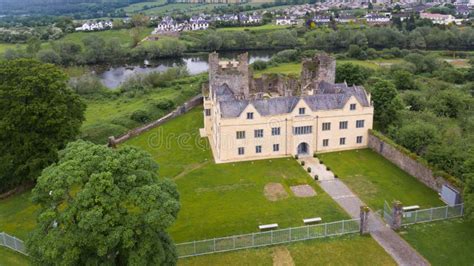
(317, 168)
(398, 248)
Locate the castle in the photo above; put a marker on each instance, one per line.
(247, 118)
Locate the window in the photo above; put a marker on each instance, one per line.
(326, 126)
(302, 111)
(275, 131)
(276, 147)
(258, 149)
(343, 125)
(359, 123)
(250, 115)
(325, 142)
(353, 106)
(241, 150)
(208, 112)
(302, 130)
(342, 141)
(359, 139)
(258, 133)
(240, 134)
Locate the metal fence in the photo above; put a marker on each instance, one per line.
(432, 214)
(267, 238)
(12, 242)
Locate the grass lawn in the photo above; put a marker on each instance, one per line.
(226, 199)
(376, 179)
(449, 242)
(9, 257)
(137, 7)
(346, 250)
(18, 215)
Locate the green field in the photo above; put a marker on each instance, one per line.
(123, 35)
(138, 7)
(295, 68)
(12, 258)
(5, 46)
(346, 250)
(449, 242)
(18, 215)
(376, 179)
(181, 7)
(266, 27)
(227, 199)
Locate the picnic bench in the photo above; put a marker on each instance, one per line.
(312, 220)
(267, 226)
(411, 208)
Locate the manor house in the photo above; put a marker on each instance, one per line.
(247, 118)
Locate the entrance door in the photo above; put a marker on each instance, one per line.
(303, 148)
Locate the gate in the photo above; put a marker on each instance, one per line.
(387, 213)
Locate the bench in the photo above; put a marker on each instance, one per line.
(267, 226)
(312, 220)
(411, 208)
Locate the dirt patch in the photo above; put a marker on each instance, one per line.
(275, 191)
(303, 191)
(282, 257)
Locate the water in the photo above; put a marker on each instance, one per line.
(114, 76)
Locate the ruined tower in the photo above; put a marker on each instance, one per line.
(321, 67)
(233, 73)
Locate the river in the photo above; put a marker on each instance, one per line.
(113, 76)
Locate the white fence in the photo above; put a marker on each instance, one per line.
(432, 214)
(267, 238)
(12, 242)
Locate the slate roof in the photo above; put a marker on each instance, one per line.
(327, 97)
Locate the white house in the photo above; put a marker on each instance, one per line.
(286, 20)
(91, 26)
(377, 19)
(321, 19)
(440, 18)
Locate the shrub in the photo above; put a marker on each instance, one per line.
(316, 177)
(140, 116)
(259, 65)
(309, 169)
(296, 156)
(327, 168)
(315, 155)
(302, 163)
(335, 176)
(321, 161)
(99, 133)
(164, 104)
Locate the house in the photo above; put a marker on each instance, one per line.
(462, 10)
(286, 20)
(169, 25)
(249, 19)
(272, 116)
(377, 19)
(322, 19)
(440, 18)
(94, 26)
(345, 19)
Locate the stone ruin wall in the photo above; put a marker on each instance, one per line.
(237, 78)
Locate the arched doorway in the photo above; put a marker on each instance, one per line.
(302, 149)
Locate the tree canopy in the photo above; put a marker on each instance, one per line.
(103, 206)
(387, 103)
(38, 116)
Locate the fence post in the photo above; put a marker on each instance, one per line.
(307, 232)
(397, 213)
(416, 216)
(195, 247)
(234, 241)
(364, 220)
(214, 245)
(446, 213)
(342, 226)
(326, 229)
(462, 209)
(290, 235)
(253, 239)
(431, 214)
(271, 237)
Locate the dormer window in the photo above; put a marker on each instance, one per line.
(353, 106)
(302, 111)
(249, 115)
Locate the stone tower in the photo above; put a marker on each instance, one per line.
(233, 73)
(321, 67)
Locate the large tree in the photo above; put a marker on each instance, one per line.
(352, 74)
(102, 206)
(387, 103)
(38, 116)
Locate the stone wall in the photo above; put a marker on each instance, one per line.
(182, 109)
(404, 162)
